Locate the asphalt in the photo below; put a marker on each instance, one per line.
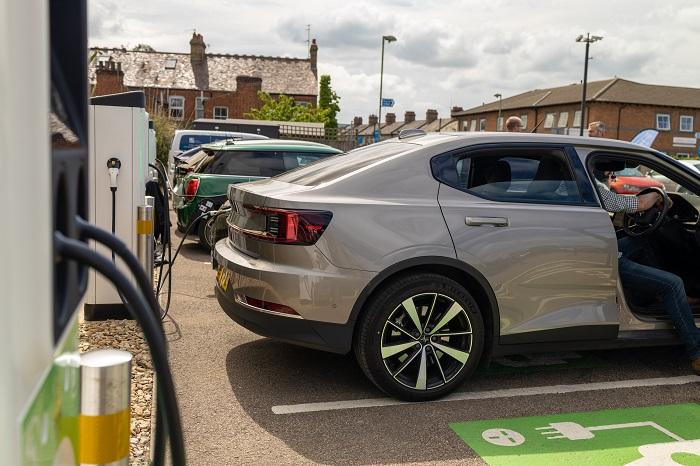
(228, 379)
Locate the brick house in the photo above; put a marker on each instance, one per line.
(626, 107)
(200, 84)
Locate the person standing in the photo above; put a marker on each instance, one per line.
(596, 129)
(514, 124)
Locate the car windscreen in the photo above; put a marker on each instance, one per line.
(190, 141)
(343, 164)
(260, 163)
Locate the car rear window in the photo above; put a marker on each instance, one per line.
(190, 141)
(343, 164)
(260, 163)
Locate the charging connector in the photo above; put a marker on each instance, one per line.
(113, 166)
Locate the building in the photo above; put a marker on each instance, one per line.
(391, 127)
(626, 107)
(195, 85)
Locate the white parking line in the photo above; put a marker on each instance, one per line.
(485, 395)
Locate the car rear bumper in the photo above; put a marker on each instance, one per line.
(322, 295)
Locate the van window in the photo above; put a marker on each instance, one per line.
(190, 141)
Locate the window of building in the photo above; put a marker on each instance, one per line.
(199, 107)
(563, 120)
(301, 103)
(523, 118)
(177, 107)
(103, 59)
(549, 120)
(220, 113)
(170, 63)
(499, 124)
(663, 121)
(482, 124)
(577, 119)
(683, 155)
(510, 175)
(687, 123)
(472, 126)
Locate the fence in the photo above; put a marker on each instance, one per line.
(334, 137)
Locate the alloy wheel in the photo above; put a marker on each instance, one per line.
(426, 341)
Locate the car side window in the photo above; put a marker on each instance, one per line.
(513, 175)
(245, 163)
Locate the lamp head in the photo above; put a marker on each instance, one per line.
(579, 38)
(389, 38)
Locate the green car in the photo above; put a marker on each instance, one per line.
(207, 175)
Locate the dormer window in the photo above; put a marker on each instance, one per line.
(170, 63)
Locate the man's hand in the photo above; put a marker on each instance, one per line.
(648, 200)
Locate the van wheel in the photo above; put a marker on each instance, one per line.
(420, 338)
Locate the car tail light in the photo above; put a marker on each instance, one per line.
(266, 305)
(301, 227)
(191, 188)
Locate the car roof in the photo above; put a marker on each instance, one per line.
(209, 132)
(270, 144)
(484, 137)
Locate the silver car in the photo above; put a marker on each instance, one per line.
(429, 254)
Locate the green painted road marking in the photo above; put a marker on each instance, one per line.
(650, 436)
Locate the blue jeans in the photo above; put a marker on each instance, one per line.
(665, 284)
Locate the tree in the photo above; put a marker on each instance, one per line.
(143, 48)
(285, 109)
(328, 99)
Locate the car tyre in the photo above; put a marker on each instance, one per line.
(420, 337)
(202, 234)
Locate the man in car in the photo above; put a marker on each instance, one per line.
(596, 129)
(514, 124)
(651, 279)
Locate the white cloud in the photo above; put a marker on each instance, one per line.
(448, 52)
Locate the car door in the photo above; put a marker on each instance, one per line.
(526, 217)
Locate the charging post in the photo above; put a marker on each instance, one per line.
(144, 236)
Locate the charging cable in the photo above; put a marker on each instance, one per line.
(78, 251)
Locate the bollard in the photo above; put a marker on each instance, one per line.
(105, 407)
(144, 237)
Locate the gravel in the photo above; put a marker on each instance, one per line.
(126, 335)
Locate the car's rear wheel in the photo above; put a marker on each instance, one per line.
(420, 337)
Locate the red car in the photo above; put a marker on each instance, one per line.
(631, 181)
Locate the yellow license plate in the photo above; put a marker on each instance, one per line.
(223, 277)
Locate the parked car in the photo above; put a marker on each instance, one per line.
(427, 255)
(631, 181)
(217, 165)
(187, 139)
(670, 185)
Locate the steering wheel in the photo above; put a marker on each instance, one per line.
(646, 222)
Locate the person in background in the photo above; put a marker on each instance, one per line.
(596, 129)
(514, 124)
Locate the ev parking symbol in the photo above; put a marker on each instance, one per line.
(503, 437)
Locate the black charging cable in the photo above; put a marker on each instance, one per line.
(165, 234)
(78, 251)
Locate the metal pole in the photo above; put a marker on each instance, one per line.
(381, 78)
(105, 407)
(499, 112)
(585, 80)
(144, 236)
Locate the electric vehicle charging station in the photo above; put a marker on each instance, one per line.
(120, 135)
(58, 407)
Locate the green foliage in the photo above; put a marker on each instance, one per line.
(165, 130)
(284, 109)
(143, 48)
(328, 99)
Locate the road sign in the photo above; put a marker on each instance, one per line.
(387, 102)
(375, 135)
(649, 436)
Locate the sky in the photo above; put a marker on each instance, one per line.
(448, 53)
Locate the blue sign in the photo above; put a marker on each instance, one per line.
(359, 140)
(387, 102)
(376, 135)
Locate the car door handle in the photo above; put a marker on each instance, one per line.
(492, 221)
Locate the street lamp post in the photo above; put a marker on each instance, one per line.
(588, 40)
(381, 79)
(498, 96)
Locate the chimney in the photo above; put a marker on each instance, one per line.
(357, 121)
(431, 115)
(197, 48)
(109, 78)
(409, 117)
(313, 56)
(390, 118)
(457, 109)
(372, 120)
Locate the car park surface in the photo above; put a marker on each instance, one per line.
(424, 253)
